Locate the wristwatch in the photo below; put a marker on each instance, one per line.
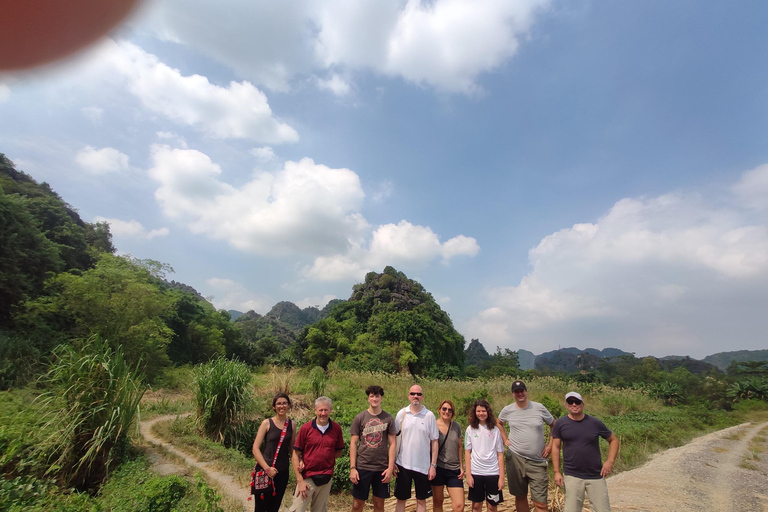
(433, 465)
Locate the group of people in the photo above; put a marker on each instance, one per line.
(428, 454)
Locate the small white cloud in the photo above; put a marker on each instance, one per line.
(229, 294)
(173, 137)
(102, 161)
(93, 113)
(131, 229)
(336, 84)
(752, 188)
(316, 302)
(382, 191)
(264, 154)
(238, 111)
(5, 93)
(403, 245)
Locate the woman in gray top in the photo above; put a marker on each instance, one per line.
(450, 460)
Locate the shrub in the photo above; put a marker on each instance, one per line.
(553, 406)
(93, 401)
(318, 379)
(223, 398)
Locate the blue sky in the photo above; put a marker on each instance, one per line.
(590, 174)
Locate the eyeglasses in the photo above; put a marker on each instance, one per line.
(446, 409)
(416, 394)
(574, 401)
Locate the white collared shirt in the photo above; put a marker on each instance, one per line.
(417, 432)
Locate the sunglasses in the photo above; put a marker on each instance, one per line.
(416, 394)
(573, 401)
(446, 409)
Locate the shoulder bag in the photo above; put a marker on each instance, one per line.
(260, 480)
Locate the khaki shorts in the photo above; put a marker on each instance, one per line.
(595, 489)
(522, 473)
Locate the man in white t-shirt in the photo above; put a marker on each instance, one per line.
(417, 456)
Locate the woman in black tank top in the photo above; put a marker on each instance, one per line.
(264, 447)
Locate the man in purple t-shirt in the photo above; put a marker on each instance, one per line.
(579, 435)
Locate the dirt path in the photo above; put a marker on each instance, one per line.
(713, 472)
(228, 486)
(723, 471)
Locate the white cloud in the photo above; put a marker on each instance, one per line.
(5, 93)
(172, 137)
(670, 274)
(264, 154)
(229, 294)
(446, 44)
(93, 113)
(238, 111)
(336, 84)
(403, 245)
(131, 229)
(317, 302)
(383, 191)
(102, 161)
(304, 208)
(752, 188)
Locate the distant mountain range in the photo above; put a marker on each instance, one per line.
(571, 359)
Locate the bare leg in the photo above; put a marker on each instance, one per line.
(457, 498)
(437, 498)
(540, 507)
(421, 505)
(378, 504)
(357, 505)
(521, 504)
(400, 506)
(477, 506)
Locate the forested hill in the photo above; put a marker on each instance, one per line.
(723, 359)
(390, 323)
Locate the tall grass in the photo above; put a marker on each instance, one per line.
(223, 398)
(93, 400)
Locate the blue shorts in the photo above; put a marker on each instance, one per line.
(447, 477)
(366, 481)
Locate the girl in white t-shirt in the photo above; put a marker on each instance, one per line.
(484, 458)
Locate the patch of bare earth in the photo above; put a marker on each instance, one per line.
(718, 472)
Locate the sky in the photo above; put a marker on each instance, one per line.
(555, 173)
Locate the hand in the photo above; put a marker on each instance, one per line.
(386, 475)
(508, 443)
(271, 472)
(501, 482)
(353, 476)
(301, 466)
(470, 481)
(607, 468)
(301, 489)
(461, 475)
(559, 479)
(432, 473)
(546, 451)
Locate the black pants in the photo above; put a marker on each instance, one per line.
(265, 502)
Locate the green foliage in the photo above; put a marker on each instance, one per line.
(93, 400)
(389, 324)
(223, 398)
(465, 403)
(209, 498)
(318, 379)
(118, 300)
(748, 389)
(553, 406)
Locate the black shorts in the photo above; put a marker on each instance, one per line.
(403, 484)
(486, 488)
(366, 480)
(447, 477)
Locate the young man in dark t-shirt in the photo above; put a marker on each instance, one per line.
(579, 435)
(372, 463)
